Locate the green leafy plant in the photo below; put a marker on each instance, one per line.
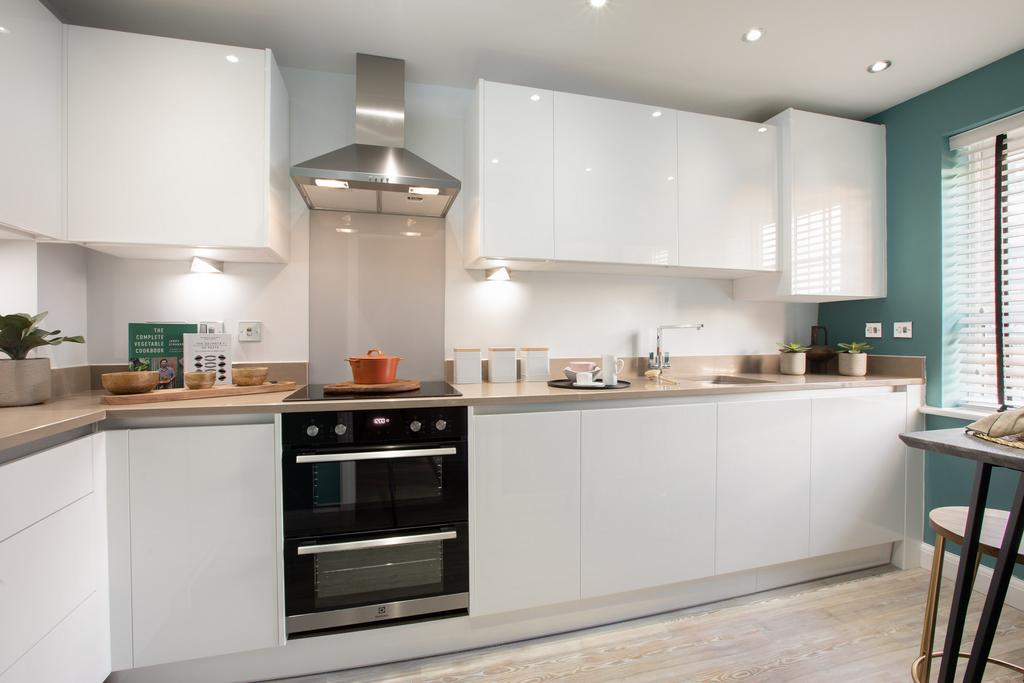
(20, 333)
(792, 347)
(855, 347)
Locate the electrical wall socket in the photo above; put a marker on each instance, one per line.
(250, 331)
(873, 330)
(904, 330)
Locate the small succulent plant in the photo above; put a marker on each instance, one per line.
(854, 347)
(20, 333)
(792, 347)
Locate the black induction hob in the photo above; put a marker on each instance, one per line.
(315, 392)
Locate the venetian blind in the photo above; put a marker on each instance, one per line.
(984, 276)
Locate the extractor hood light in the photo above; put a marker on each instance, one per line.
(331, 182)
(879, 66)
(347, 231)
(201, 264)
(424, 190)
(502, 274)
(753, 35)
(411, 234)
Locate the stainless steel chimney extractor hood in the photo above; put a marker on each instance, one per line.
(377, 174)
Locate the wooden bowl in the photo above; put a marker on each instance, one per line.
(200, 380)
(249, 377)
(130, 382)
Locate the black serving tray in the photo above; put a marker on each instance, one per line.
(567, 384)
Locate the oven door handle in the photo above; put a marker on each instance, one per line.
(373, 455)
(376, 543)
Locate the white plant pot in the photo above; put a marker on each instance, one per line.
(792, 363)
(853, 364)
(24, 382)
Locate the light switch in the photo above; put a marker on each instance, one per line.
(251, 331)
(904, 330)
(873, 330)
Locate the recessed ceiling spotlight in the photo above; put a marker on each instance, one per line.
(232, 58)
(879, 66)
(753, 35)
(598, 4)
(4, 29)
(655, 114)
(762, 129)
(494, 161)
(588, 169)
(535, 97)
(671, 177)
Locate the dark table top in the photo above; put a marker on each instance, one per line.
(957, 442)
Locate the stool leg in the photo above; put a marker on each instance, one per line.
(931, 610)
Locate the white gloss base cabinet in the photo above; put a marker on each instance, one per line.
(648, 497)
(54, 621)
(832, 239)
(204, 552)
(525, 511)
(173, 149)
(763, 491)
(857, 472)
(30, 119)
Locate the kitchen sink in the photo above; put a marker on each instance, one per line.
(727, 379)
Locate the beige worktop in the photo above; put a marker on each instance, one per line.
(19, 426)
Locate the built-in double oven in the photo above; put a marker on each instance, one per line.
(375, 516)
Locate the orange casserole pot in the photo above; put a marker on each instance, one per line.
(374, 368)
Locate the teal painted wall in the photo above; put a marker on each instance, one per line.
(917, 134)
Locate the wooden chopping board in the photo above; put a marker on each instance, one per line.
(395, 387)
(161, 395)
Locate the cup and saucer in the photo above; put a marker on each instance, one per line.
(583, 374)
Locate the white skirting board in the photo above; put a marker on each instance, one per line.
(1014, 595)
(380, 645)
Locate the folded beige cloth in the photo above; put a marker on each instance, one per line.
(1000, 425)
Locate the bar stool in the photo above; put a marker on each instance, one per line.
(949, 524)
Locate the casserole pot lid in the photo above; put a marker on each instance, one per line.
(374, 354)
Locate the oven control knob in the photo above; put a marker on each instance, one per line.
(415, 426)
(312, 431)
(441, 425)
(340, 429)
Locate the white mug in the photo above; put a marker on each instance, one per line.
(611, 367)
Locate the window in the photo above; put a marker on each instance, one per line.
(983, 278)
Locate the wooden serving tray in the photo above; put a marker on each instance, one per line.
(161, 395)
(395, 387)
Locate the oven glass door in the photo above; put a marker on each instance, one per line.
(342, 572)
(372, 489)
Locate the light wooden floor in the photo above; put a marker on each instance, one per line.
(861, 627)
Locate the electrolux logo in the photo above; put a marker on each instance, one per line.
(382, 611)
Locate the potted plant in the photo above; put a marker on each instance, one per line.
(25, 381)
(852, 359)
(793, 358)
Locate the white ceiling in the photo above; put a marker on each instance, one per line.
(677, 53)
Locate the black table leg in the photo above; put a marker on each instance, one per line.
(997, 589)
(964, 575)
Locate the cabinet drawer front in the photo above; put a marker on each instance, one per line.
(45, 572)
(77, 650)
(38, 485)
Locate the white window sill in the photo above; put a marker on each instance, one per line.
(959, 413)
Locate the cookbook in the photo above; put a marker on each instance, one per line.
(159, 347)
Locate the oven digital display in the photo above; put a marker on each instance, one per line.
(380, 421)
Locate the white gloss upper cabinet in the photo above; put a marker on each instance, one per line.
(615, 182)
(832, 240)
(204, 555)
(31, 186)
(649, 519)
(525, 511)
(728, 193)
(858, 471)
(516, 193)
(175, 143)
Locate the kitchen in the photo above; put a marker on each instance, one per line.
(564, 210)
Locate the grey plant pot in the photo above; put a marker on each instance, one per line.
(792, 363)
(853, 364)
(24, 382)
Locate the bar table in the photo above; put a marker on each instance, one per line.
(957, 442)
